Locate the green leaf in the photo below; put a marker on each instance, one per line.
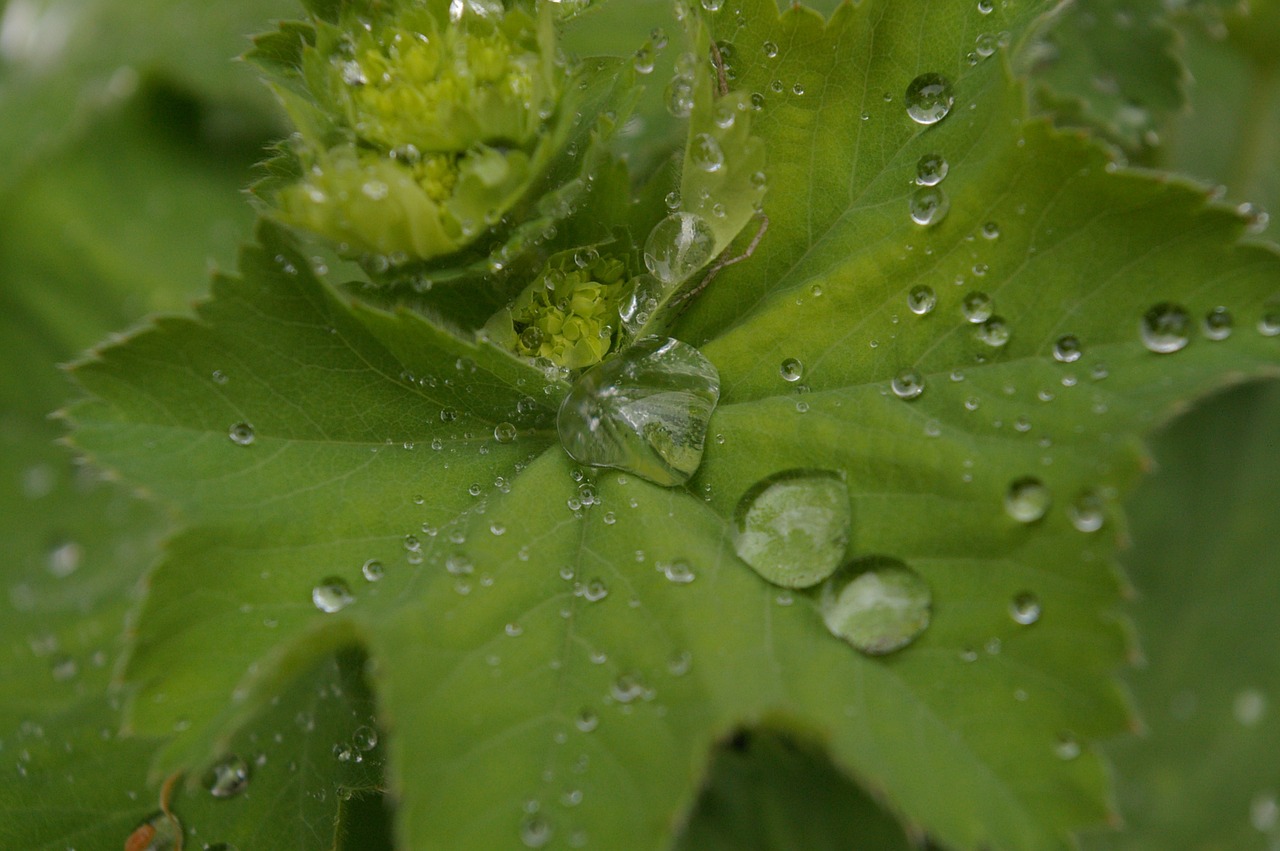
(533, 663)
(1204, 773)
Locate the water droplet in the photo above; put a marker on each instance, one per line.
(977, 307)
(991, 230)
(677, 571)
(1066, 748)
(627, 688)
(372, 570)
(877, 604)
(994, 332)
(594, 591)
(1086, 512)
(678, 246)
(1165, 328)
(791, 370)
(227, 778)
(332, 595)
(907, 384)
(1025, 608)
(1067, 349)
(645, 411)
(921, 300)
(365, 738)
(1027, 500)
(792, 528)
(929, 99)
(535, 831)
(64, 559)
(931, 169)
(929, 205)
(705, 152)
(241, 434)
(770, 49)
(712, 5)
(1269, 324)
(1249, 707)
(586, 721)
(1218, 324)
(985, 6)
(504, 432)
(448, 415)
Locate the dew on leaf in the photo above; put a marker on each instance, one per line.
(1264, 812)
(1218, 324)
(985, 45)
(1269, 324)
(628, 688)
(643, 61)
(1025, 608)
(931, 169)
(1066, 748)
(907, 384)
(372, 570)
(64, 559)
(994, 332)
(792, 528)
(877, 604)
(332, 595)
(770, 49)
(680, 96)
(535, 831)
(594, 591)
(705, 153)
(241, 434)
(645, 411)
(1249, 706)
(1067, 349)
(977, 307)
(678, 571)
(985, 6)
(921, 300)
(928, 205)
(1027, 500)
(504, 433)
(1165, 328)
(678, 246)
(791, 370)
(929, 98)
(227, 778)
(586, 721)
(1085, 512)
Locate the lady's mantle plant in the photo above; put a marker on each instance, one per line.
(601, 455)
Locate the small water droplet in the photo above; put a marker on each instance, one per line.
(1086, 512)
(1218, 324)
(628, 688)
(929, 205)
(929, 98)
(1027, 500)
(907, 384)
(1165, 328)
(791, 370)
(985, 6)
(535, 831)
(792, 528)
(241, 434)
(877, 604)
(504, 433)
(448, 415)
(332, 595)
(365, 738)
(677, 571)
(770, 49)
(1269, 324)
(921, 300)
(372, 570)
(705, 152)
(586, 721)
(977, 307)
(1067, 349)
(64, 559)
(931, 169)
(227, 778)
(1066, 748)
(994, 332)
(1025, 608)
(678, 246)
(991, 230)
(1264, 812)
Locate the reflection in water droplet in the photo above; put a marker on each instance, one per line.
(791, 370)
(1165, 328)
(877, 604)
(929, 205)
(1027, 500)
(678, 246)
(921, 300)
(645, 411)
(1218, 324)
(332, 595)
(241, 434)
(931, 169)
(705, 152)
(1067, 349)
(1025, 608)
(907, 384)
(929, 99)
(504, 432)
(372, 570)
(227, 778)
(792, 528)
(977, 307)
(1086, 512)
(994, 332)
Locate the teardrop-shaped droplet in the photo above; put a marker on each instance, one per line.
(678, 246)
(644, 411)
(877, 604)
(792, 528)
(931, 169)
(929, 98)
(929, 205)
(1165, 328)
(1027, 500)
(1025, 608)
(332, 594)
(227, 778)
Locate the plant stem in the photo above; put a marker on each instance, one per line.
(1255, 148)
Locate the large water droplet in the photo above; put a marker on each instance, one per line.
(929, 205)
(994, 332)
(921, 300)
(792, 528)
(678, 246)
(1027, 500)
(227, 778)
(705, 152)
(931, 169)
(791, 370)
(977, 307)
(929, 98)
(877, 604)
(644, 411)
(1165, 328)
(332, 595)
